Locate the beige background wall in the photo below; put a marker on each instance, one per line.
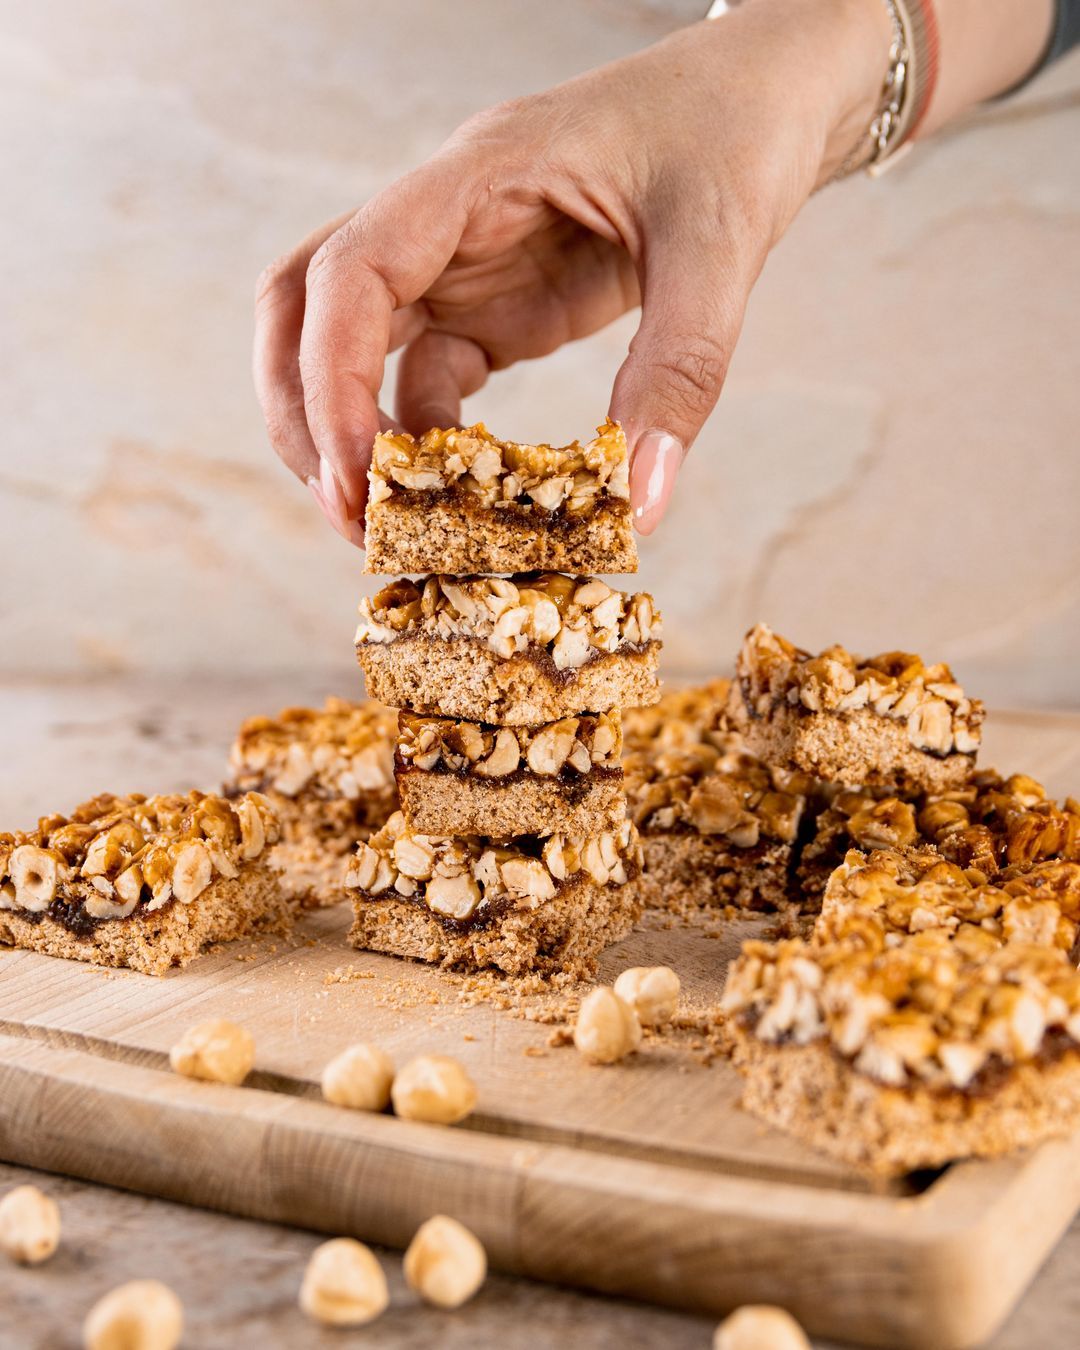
(896, 460)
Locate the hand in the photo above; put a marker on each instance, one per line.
(661, 180)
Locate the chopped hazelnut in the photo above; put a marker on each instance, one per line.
(445, 1263)
(652, 991)
(29, 1225)
(433, 1088)
(760, 1327)
(344, 1285)
(219, 1052)
(607, 1028)
(359, 1077)
(142, 1315)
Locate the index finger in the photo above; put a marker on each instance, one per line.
(381, 260)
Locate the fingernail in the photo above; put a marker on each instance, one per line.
(334, 512)
(657, 458)
(337, 508)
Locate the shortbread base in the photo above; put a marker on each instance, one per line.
(455, 804)
(688, 872)
(229, 908)
(318, 840)
(860, 748)
(565, 934)
(812, 1093)
(450, 532)
(463, 677)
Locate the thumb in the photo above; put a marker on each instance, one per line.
(693, 299)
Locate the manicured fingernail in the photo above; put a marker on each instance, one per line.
(657, 458)
(348, 529)
(355, 534)
(338, 510)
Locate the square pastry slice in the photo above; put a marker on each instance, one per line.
(908, 1054)
(717, 826)
(329, 773)
(516, 651)
(143, 882)
(457, 777)
(463, 501)
(886, 720)
(527, 906)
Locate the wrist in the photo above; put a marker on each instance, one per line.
(862, 37)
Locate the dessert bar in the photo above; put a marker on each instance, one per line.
(525, 906)
(143, 882)
(513, 651)
(456, 777)
(462, 501)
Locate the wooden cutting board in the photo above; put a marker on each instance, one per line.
(642, 1179)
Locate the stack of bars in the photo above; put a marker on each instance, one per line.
(512, 848)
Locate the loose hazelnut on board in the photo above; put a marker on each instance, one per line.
(445, 1263)
(760, 1327)
(219, 1052)
(652, 991)
(29, 1225)
(344, 1285)
(359, 1077)
(607, 1028)
(142, 1315)
(433, 1088)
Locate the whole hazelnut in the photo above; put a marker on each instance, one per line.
(142, 1315)
(445, 1263)
(758, 1326)
(219, 1052)
(652, 991)
(29, 1225)
(607, 1028)
(433, 1088)
(359, 1077)
(344, 1285)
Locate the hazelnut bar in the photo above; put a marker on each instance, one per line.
(458, 777)
(329, 773)
(907, 1055)
(143, 882)
(516, 651)
(526, 906)
(888, 720)
(463, 501)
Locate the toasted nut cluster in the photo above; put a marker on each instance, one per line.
(574, 619)
(709, 783)
(924, 1008)
(344, 1285)
(218, 1052)
(652, 992)
(29, 1225)
(445, 1263)
(433, 1088)
(1000, 823)
(760, 1327)
(359, 1077)
(679, 718)
(572, 479)
(456, 877)
(115, 854)
(141, 1315)
(344, 750)
(940, 717)
(574, 745)
(607, 1027)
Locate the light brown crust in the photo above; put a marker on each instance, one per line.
(455, 804)
(463, 677)
(564, 934)
(684, 873)
(448, 532)
(153, 943)
(318, 839)
(811, 1092)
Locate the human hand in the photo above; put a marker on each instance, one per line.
(662, 179)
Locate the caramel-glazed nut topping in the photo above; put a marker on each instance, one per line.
(114, 855)
(455, 877)
(939, 716)
(495, 474)
(573, 618)
(572, 745)
(342, 750)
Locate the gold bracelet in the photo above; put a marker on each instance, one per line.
(892, 115)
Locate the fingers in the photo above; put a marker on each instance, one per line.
(694, 290)
(436, 372)
(380, 261)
